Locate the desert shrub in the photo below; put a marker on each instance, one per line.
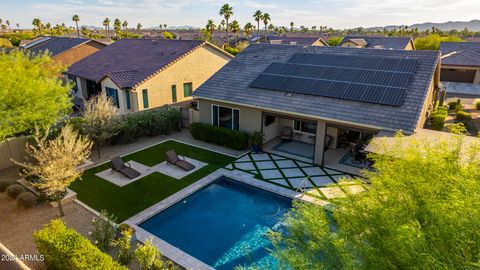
(4, 184)
(124, 226)
(463, 117)
(65, 248)
(221, 136)
(124, 245)
(451, 105)
(232, 51)
(14, 190)
(27, 199)
(5, 43)
(104, 229)
(149, 257)
(439, 115)
(458, 108)
(477, 105)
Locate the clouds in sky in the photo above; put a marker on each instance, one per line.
(333, 13)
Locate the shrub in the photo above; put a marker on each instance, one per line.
(221, 136)
(232, 51)
(4, 184)
(27, 199)
(451, 105)
(14, 190)
(65, 248)
(458, 108)
(5, 43)
(104, 229)
(439, 115)
(477, 105)
(149, 258)
(463, 117)
(124, 245)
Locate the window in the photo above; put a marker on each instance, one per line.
(127, 99)
(305, 126)
(73, 80)
(113, 95)
(269, 119)
(225, 117)
(145, 98)
(174, 93)
(187, 89)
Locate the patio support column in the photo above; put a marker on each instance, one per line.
(319, 142)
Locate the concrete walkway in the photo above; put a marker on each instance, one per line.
(457, 88)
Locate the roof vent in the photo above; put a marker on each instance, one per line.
(289, 94)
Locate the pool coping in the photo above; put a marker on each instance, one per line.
(175, 254)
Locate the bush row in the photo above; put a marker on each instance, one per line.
(65, 248)
(221, 136)
(439, 115)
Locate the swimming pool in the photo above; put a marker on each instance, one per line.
(223, 225)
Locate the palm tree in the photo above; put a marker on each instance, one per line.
(38, 24)
(266, 18)
(7, 22)
(226, 11)
(235, 28)
(139, 26)
(85, 31)
(106, 23)
(248, 28)
(164, 26)
(125, 26)
(48, 26)
(210, 27)
(75, 18)
(18, 25)
(258, 17)
(117, 26)
(291, 26)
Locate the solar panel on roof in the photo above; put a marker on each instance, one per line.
(380, 80)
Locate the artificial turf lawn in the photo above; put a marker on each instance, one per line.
(126, 201)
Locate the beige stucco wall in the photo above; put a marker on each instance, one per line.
(318, 43)
(122, 100)
(196, 68)
(349, 44)
(427, 106)
(410, 46)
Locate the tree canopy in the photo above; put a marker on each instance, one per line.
(31, 93)
(432, 42)
(421, 211)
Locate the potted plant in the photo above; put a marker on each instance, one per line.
(258, 138)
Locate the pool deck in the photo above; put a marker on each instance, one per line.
(175, 254)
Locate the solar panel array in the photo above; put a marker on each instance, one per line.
(379, 80)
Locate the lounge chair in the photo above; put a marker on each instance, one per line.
(174, 159)
(286, 133)
(119, 166)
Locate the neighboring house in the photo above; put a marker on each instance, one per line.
(328, 96)
(65, 50)
(378, 42)
(289, 40)
(145, 73)
(460, 62)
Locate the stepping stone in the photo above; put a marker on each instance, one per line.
(313, 171)
(303, 164)
(332, 171)
(295, 172)
(286, 164)
(354, 189)
(342, 177)
(244, 159)
(275, 157)
(247, 166)
(332, 192)
(322, 181)
(259, 157)
(270, 174)
(296, 182)
(229, 166)
(265, 165)
(280, 181)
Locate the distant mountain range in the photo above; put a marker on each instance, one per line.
(473, 25)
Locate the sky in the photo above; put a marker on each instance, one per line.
(338, 14)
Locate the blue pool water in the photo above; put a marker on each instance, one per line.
(223, 224)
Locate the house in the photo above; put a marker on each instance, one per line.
(460, 62)
(290, 40)
(65, 50)
(145, 73)
(378, 42)
(321, 98)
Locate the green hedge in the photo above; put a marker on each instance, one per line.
(463, 117)
(439, 115)
(221, 136)
(65, 248)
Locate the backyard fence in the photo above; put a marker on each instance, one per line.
(12, 148)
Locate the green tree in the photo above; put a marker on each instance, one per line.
(291, 26)
(334, 41)
(421, 211)
(235, 28)
(266, 18)
(38, 25)
(31, 93)
(258, 17)
(125, 26)
(248, 28)
(117, 27)
(55, 163)
(139, 26)
(226, 11)
(149, 258)
(76, 19)
(85, 31)
(124, 246)
(106, 24)
(432, 42)
(210, 27)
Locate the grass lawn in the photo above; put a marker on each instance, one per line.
(126, 201)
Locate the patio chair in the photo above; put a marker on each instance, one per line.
(286, 133)
(174, 159)
(119, 166)
(358, 156)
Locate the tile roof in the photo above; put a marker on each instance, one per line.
(307, 41)
(55, 45)
(460, 53)
(397, 43)
(231, 84)
(128, 62)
